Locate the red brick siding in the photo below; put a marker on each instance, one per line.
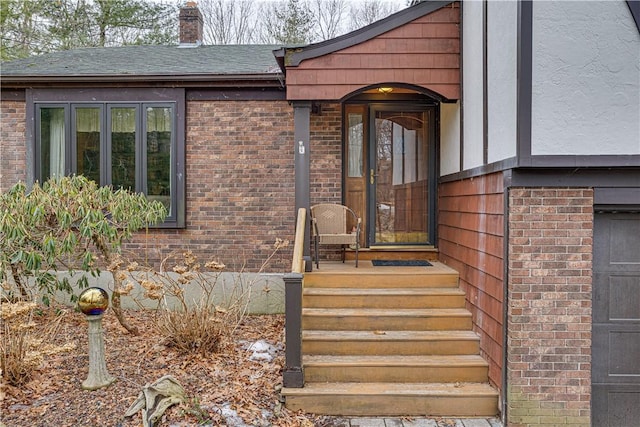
(326, 155)
(326, 163)
(240, 182)
(13, 145)
(549, 317)
(240, 185)
(470, 240)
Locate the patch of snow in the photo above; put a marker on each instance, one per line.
(231, 417)
(262, 351)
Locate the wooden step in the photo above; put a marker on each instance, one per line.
(432, 369)
(378, 319)
(338, 275)
(382, 280)
(394, 399)
(384, 298)
(389, 342)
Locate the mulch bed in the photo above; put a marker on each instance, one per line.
(54, 396)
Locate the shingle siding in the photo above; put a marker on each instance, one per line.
(471, 240)
(423, 52)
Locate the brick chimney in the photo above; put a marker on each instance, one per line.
(191, 24)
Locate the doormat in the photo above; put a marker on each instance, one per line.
(400, 263)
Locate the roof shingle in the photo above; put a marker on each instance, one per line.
(223, 60)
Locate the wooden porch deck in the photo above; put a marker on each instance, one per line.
(366, 267)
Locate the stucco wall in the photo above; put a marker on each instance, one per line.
(472, 78)
(586, 79)
(449, 138)
(502, 39)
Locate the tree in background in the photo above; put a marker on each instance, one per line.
(123, 22)
(22, 28)
(67, 27)
(288, 23)
(228, 22)
(31, 27)
(368, 12)
(330, 16)
(262, 21)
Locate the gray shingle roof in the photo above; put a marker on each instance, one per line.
(223, 60)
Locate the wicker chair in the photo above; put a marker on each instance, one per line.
(329, 227)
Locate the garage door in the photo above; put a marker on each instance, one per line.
(616, 320)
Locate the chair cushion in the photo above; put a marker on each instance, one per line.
(337, 239)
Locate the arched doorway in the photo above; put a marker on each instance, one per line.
(389, 165)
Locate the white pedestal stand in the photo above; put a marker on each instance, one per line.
(98, 376)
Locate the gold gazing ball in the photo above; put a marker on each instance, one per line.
(93, 301)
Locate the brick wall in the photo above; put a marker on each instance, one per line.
(239, 174)
(326, 164)
(240, 186)
(549, 317)
(326, 155)
(13, 146)
(470, 240)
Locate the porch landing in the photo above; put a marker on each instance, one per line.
(365, 266)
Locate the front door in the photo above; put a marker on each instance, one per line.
(390, 172)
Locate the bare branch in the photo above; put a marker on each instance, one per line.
(330, 17)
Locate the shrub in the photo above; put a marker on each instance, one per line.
(197, 310)
(67, 224)
(25, 345)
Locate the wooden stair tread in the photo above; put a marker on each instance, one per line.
(394, 360)
(394, 399)
(396, 389)
(334, 275)
(381, 312)
(320, 335)
(383, 291)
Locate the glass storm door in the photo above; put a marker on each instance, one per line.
(401, 176)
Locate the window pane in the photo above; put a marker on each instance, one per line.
(52, 143)
(123, 148)
(410, 155)
(88, 142)
(355, 136)
(159, 128)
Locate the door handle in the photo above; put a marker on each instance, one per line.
(372, 177)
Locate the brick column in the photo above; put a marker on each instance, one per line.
(549, 307)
